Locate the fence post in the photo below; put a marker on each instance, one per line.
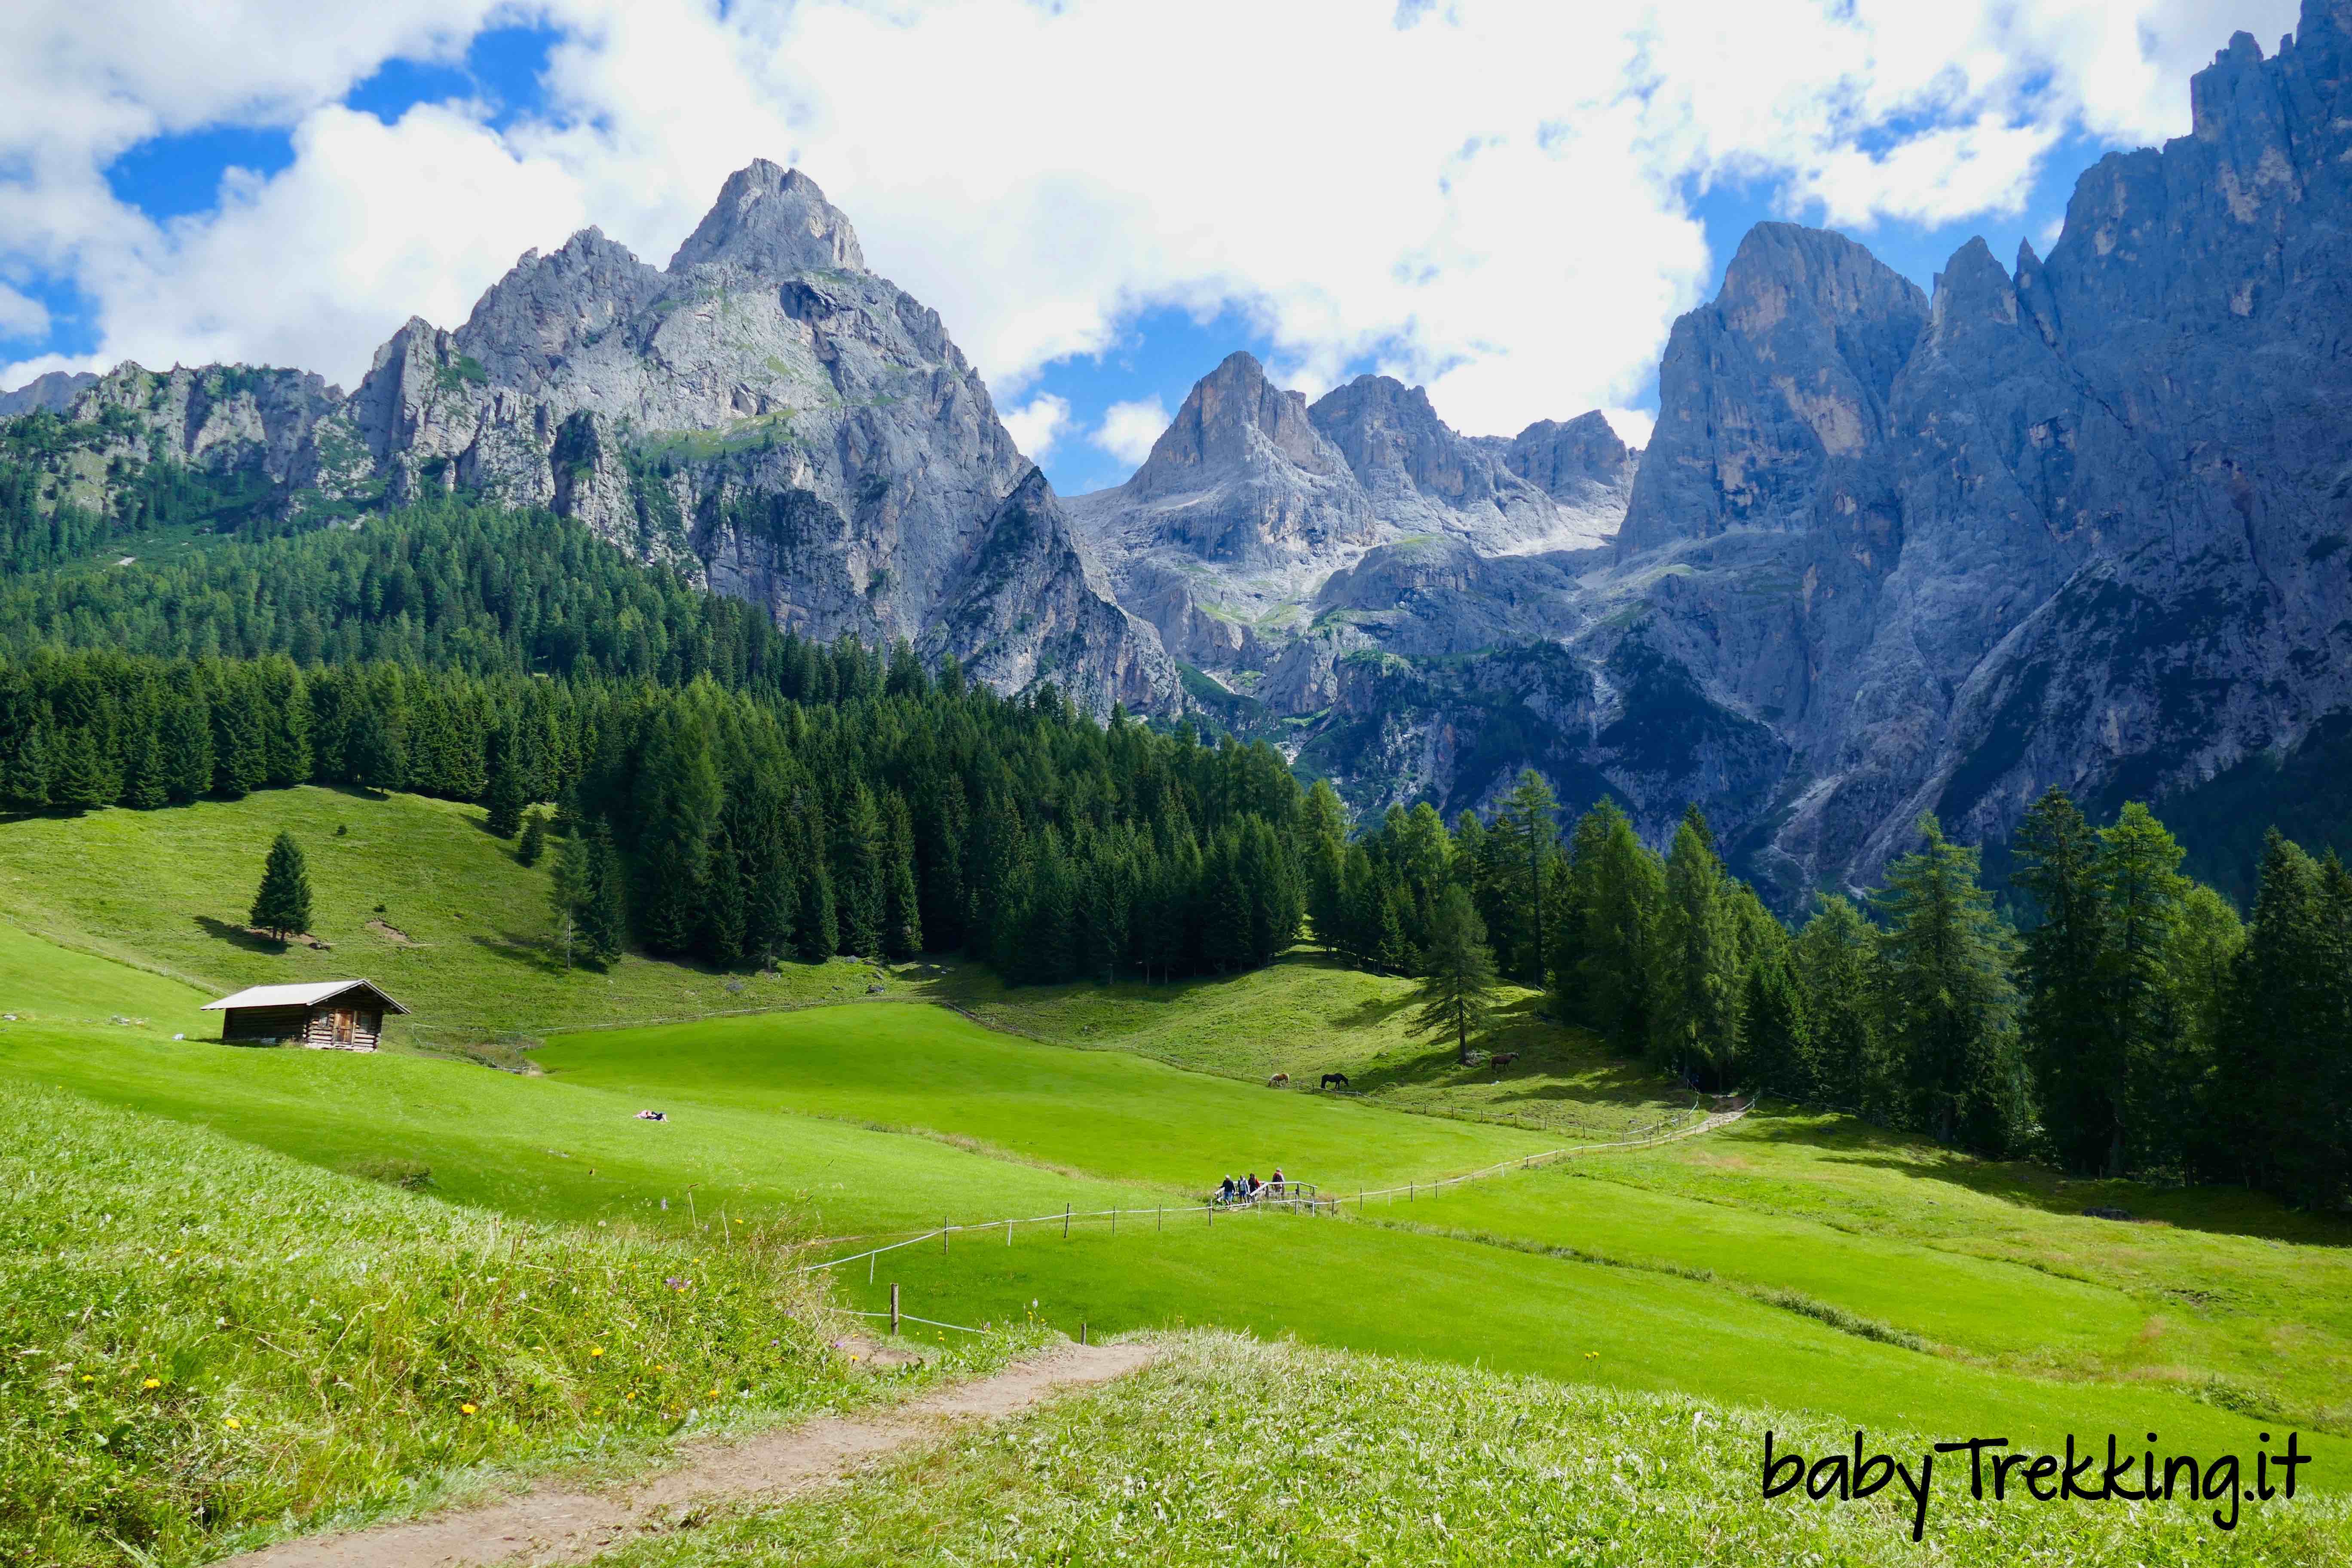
(1114, 1219)
(943, 1236)
(870, 1268)
(1082, 1331)
(1065, 1222)
(894, 1309)
(1160, 1218)
(1008, 1232)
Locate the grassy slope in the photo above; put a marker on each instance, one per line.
(566, 1147)
(168, 890)
(198, 1330)
(1106, 1113)
(555, 1147)
(1308, 1015)
(1234, 1452)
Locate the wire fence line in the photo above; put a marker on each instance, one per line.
(1659, 1132)
(910, 1318)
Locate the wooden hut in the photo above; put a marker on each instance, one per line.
(331, 1015)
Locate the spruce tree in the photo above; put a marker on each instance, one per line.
(1835, 963)
(1615, 989)
(187, 745)
(858, 846)
(1949, 1004)
(820, 916)
(902, 912)
(604, 915)
(2140, 885)
(1698, 1021)
(281, 905)
(571, 889)
(724, 910)
(534, 838)
(1775, 1035)
(2067, 1035)
(1455, 995)
(508, 793)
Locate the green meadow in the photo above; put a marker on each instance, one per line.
(1808, 1266)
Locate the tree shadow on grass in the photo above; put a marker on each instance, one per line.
(2217, 1210)
(532, 952)
(237, 936)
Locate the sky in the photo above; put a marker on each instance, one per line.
(1506, 203)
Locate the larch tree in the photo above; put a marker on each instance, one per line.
(1455, 995)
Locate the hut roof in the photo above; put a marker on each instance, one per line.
(302, 995)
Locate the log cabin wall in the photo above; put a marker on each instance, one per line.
(313, 1027)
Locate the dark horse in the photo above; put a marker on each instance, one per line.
(1335, 1080)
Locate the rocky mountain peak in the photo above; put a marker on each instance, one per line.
(1235, 418)
(772, 220)
(1787, 372)
(1566, 458)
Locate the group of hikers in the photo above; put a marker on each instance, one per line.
(1249, 1189)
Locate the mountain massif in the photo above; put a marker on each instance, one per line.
(2082, 520)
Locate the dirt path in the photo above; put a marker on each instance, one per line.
(552, 1527)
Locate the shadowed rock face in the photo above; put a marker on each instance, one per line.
(2086, 529)
(2083, 522)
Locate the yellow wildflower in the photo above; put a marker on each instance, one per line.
(467, 1408)
(234, 1423)
(152, 1383)
(596, 1349)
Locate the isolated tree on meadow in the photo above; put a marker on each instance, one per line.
(281, 906)
(1456, 994)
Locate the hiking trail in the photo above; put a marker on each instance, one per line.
(555, 1526)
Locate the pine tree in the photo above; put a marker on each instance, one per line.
(1456, 992)
(1949, 1005)
(534, 838)
(79, 779)
(281, 905)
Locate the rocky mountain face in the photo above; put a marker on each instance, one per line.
(2082, 521)
(763, 413)
(1262, 527)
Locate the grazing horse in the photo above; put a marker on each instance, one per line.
(1335, 1080)
(1279, 1081)
(1502, 1060)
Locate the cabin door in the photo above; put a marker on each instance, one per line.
(342, 1025)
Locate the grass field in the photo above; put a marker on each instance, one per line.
(1234, 1451)
(1787, 1263)
(206, 1341)
(1308, 1015)
(461, 934)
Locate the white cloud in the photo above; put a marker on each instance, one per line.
(1489, 200)
(1129, 429)
(1038, 425)
(21, 317)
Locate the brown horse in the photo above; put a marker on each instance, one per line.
(1279, 1081)
(1502, 1060)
